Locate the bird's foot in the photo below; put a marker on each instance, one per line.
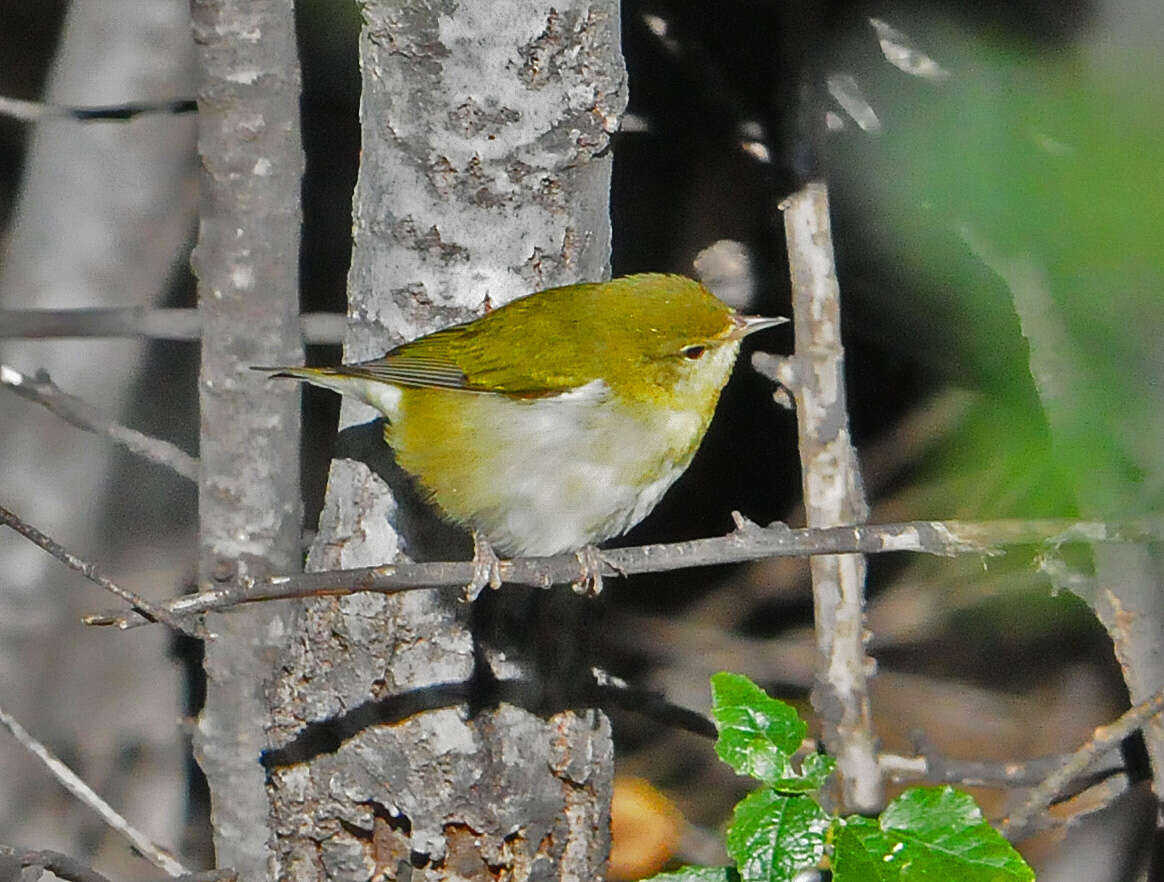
(591, 562)
(486, 568)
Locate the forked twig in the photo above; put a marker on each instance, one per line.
(75, 411)
(89, 571)
(1102, 739)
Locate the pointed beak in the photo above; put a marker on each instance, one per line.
(742, 325)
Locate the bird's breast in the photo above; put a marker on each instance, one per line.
(545, 475)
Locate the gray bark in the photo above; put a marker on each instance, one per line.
(101, 219)
(833, 496)
(481, 180)
(249, 507)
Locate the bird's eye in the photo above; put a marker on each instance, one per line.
(694, 351)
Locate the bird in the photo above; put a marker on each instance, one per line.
(558, 420)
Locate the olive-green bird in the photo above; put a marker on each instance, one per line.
(560, 419)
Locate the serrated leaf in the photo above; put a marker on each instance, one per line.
(757, 733)
(928, 834)
(773, 836)
(697, 874)
(925, 809)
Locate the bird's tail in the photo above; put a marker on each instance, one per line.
(384, 397)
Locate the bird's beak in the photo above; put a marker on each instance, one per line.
(742, 325)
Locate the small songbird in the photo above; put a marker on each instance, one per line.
(560, 419)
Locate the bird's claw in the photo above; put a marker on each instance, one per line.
(486, 568)
(591, 562)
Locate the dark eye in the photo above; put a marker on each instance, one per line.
(694, 351)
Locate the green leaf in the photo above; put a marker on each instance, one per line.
(928, 834)
(816, 768)
(925, 810)
(697, 874)
(773, 836)
(757, 734)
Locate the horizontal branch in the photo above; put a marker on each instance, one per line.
(141, 321)
(78, 412)
(34, 111)
(934, 768)
(747, 543)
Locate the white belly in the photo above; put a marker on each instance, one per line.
(555, 474)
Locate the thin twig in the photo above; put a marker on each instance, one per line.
(748, 543)
(42, 390)
(934, 768)
(1075, 808)
(1102, 739)
(89, 571)
(69, 779)
(33, 111)
(141, 321)
(832, 495)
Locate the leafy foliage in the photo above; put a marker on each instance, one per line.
(775, 835)
(699, 874)
(757, 734)
(926, 833)
(779, 830)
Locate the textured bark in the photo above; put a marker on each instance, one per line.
(480, 180)
(247, 265)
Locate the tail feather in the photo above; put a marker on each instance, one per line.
(383, 396)
(296, 373)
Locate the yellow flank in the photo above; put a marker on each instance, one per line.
(535, 474)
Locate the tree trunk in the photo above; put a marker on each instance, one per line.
(481, 180)
(249, 507)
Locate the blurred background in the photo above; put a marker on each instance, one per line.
(997, 184)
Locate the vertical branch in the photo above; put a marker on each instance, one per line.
(247, 265)
(833, 495)
(482, 177)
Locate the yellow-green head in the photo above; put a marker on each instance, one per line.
(559, 419)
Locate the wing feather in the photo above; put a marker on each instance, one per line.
(410, 370)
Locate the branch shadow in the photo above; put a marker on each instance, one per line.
(532, 648)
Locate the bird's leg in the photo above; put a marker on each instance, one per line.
(591, 561)
(486, 567)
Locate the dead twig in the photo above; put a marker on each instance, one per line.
(1020, 822)
(928, 765)
(89, 570)
(71, 781)
(34, 111)
(141, 321)
(75, 411)
(60, 865)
